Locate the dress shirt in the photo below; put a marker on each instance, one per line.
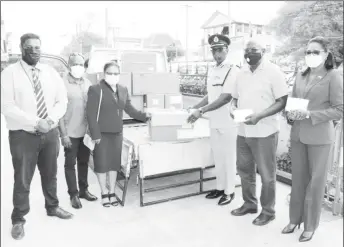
(257, 91)
(18, 100)
(220, 118)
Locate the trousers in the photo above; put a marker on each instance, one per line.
(223, 145)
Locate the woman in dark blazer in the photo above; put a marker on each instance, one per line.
(312, 135)
(108, 131)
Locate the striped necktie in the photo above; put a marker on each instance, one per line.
(41, 107)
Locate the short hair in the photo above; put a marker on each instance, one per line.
(27, 36)
(110, 64)
(329, 62)
(75, 54)
(257, 41)
(86, 63)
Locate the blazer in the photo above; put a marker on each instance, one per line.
(111, 110)
(325, 95)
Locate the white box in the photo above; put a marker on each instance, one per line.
(241, 114)
(154, 101)
(296, 104)
(174, 101)
(155, 83)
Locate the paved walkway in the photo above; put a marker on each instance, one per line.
(192, 222)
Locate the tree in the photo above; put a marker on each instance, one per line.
(172, 52)
(82, 43)
(298, 22)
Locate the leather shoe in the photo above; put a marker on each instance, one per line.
(60, 213)
(76, 203)
(18, 231)
(87, 196)
(307, 238)
(263, 219)
(225, 199)
(243, 211)
(215, 194)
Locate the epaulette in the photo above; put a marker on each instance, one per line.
(238, 66)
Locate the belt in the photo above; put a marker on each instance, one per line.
(34, 133)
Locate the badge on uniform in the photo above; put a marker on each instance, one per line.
(216, 39)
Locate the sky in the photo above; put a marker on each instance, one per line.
(55, 21)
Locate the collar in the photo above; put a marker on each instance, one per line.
(114, 89)
(29, 67)
(72, 80)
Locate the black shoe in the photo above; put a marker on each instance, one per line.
(304, 238)
(226, 199)
(107, 203)
(76, 203)
(215, 194)
(288, 229)
(243, 211)
(18, 231)
(113, 203)
(87, 196)
(60, 213)
(263, 219)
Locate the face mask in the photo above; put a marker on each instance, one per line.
(31, 57)
(77, 71)
(252, 58)
(112, 79)
(313, 61)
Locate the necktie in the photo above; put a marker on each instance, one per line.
(41, 107)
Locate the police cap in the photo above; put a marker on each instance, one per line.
(218, 40)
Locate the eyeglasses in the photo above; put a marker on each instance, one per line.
(108, 73)
(315, 52)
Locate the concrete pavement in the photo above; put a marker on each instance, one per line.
(192, 222)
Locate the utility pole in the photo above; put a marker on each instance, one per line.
(229, 19)
(106, 27)
(187, 37)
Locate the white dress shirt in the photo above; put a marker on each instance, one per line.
(18, 100)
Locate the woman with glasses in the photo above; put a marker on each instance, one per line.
(107, 128)
(312, 135)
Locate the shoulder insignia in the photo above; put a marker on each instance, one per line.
(238, 66)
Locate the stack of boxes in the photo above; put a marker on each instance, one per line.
(159, 94)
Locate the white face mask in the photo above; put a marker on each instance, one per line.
(313, 61)
(112, 79)
(77, 71)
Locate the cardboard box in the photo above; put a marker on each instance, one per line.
(137, 102)
(125, 80)
(174, 101)
(165, 124)
(154, 101)
(155, 83)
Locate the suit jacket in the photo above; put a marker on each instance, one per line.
(111, 110)
(325, 95)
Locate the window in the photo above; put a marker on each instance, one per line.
(246, 28)
(259, 29)
(238, 28)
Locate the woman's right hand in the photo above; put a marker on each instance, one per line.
(66, 142)
(97, 141)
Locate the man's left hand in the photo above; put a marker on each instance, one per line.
(252, 119)
(196, 114)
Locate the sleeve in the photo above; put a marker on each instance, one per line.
(229, 86)
(8, 105)
(132, 112)
(91, 113)
(234, 88)
(335, 111)
(279, 84)
(61, 99)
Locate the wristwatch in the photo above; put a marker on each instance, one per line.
(201, 111)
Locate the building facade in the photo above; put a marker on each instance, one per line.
(239, 32)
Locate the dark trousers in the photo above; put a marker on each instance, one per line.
(27, 150)
(260, 151)
(80, 153)
(309, 173)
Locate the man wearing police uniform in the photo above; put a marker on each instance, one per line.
(221, 78)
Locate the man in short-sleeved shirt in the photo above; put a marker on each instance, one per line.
(223, 134)
(261, 88)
